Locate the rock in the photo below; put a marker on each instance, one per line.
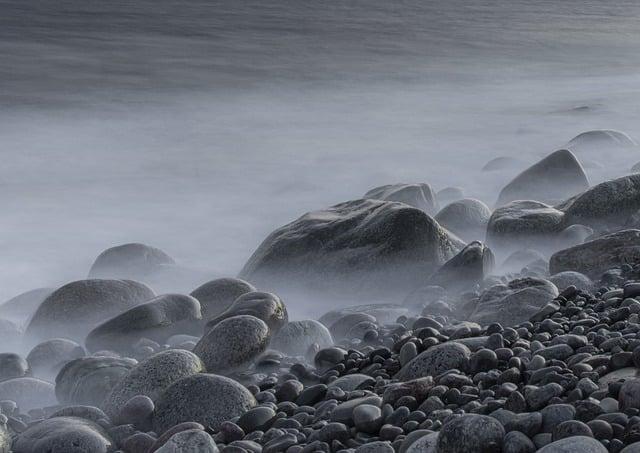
(523, 223)
(575, 444)
(383, 313)
(466, 218)
(343, 326)
(375, 447)
(64, 434)
(599, 141)
(88, 380)
(265, 306)
(595, 257)
(191, 440)
(419, 196)
(520, 259)
(204, 398)
(20, 308)
(217, 295)
(466, 269)
(29, 393)
(152, 376)
(513, 303)
(629, 396)
(552, 179)
(13, 366)
(138, 411)
(47, 358)
(129, 261)
(425, 444)
(502, 163)
(565, 279)
(471, 432)
(156, 320)
(296, 337)
(436, 360)
(573, 235)
(72, 310)
(571, 428)
(449, 195)
(605, 204)
(233, 343)
(351, 382)
(87, 412)
(357, 247)
(10, 336)
(517, 442)
(345, 411)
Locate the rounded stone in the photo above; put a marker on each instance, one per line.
(152, 376)
(203, 398)
(466, 218)
(47, 358)
(571, 428)
(188, 441)
(233, 343)
(472, 432)
(425, 444)
(267, 307)
(297, 337)
(29, 393)
(575, 444)
(436, 360)
(20, 308)
(13, 366)
(217, 295)
(137, 411)
(63, 435)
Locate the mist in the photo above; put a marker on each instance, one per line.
(199, 127)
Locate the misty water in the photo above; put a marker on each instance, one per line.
(200, 126)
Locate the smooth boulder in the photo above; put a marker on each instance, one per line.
(297, 337)
(133, 261)
(466, 269)
(47, 358)
(64, 435)
(265, 306)
(466, 218)
(574, 444)
(435, 360)
(419, 196)
(29, 393)
(217, 295)
(471, 432)
(20, 309)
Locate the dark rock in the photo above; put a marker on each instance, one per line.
(471, 432)
(436, 360)
(466, 269)
(13, 366)
(63, 434)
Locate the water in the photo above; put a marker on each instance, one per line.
(199, 126)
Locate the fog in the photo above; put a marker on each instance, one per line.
(200, 126)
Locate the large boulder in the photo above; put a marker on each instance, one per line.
(600, 141)
(610, 203)
(358, 247)
(74, 309)
(233, 343)
(20, 308)
(466, 218)
(471, 432)
(552, 179)
(88, 380)
(29, 393)
(466, 269)
(419, 196)
(217, 295)
(297, 337)
(513, 303)
(523, 223)
(157, 320)
(151, 376)
(265, 306)
(436, 360)
(63, 435)
(129, 261)
(565, 279)
(47, 358)
(599, 255)
(207, 399)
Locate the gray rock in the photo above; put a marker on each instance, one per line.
(156, 320)
(351, 382)
(129, 261)
(217, 295)
(152, 376)
(296, 337)
(575, 444)
(449, 195)
(632, 448)
(47, 358)
(523, 223)
(88, 380)
(11, 336)
(29, 393)
(189, 441)
(629, 396)
(265, 306)
(595, 257)
(203, 398)
(513, 303)
(573, 235)
(600, 140)
(345, 411)
(64, 435)
(13, 366)
(367, 418)
(466, 269)
(233, 343)
(342, 326)
(520, 259)
(376, 447)
(565, 279)
(436, 360)
(21, 308)
(360, 247)
(502, 163)
(471, 432)
(466, 218)
(5, 439)
(425, 444)
(538, 397)
(72, 310)
(383, 313)
(419, 196)
(87, 412)
(517, 442)
(138, 411)
(552, 179)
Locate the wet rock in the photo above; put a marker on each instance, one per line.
(466, 218)
(575, 444)
(466, 269)
(296, 337)
(471, 432)
(419, 196)
(217, 295)
(63, 434)
(436, 360)
(552, 179)
(72, 310)
(157, 320)
(233, 344)
(204, 398)
(360, 246)
(351, 382)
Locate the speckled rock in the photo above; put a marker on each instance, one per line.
(466, 218)
(565, 279)
(575, 444)
(419, 196)
(204, 398)
(265, 306)
(63, 435)
(28, 393)
(189, 441)
(466, 269)
(296, 337)
(436, 360)
(233, 343)
(477, 433)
